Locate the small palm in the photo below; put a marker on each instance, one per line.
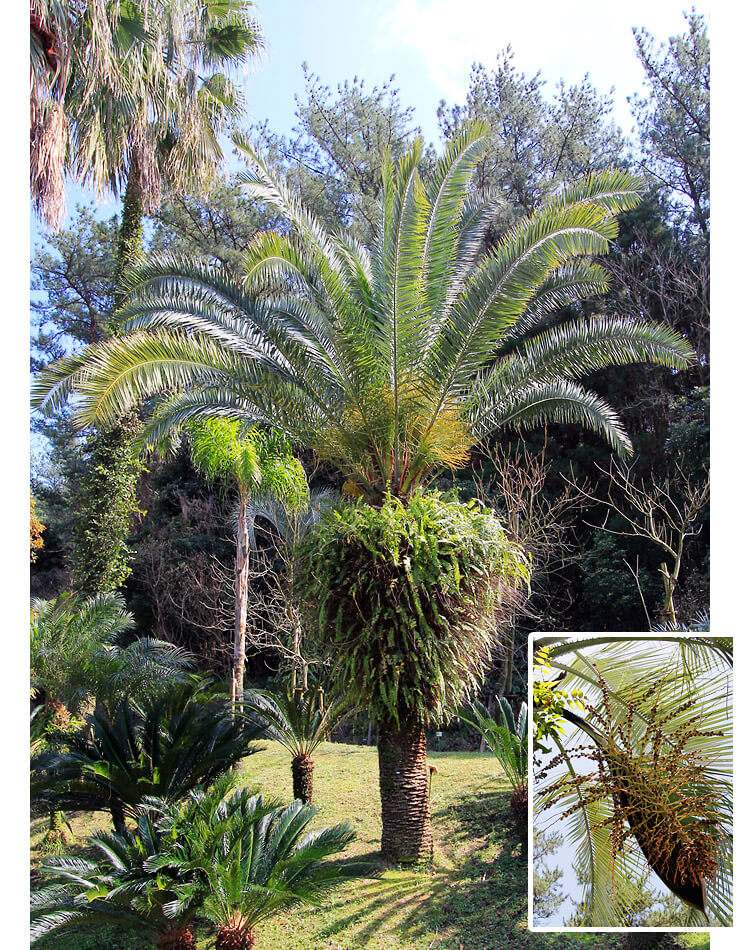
(299, 720)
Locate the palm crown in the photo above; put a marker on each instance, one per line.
(391, 361)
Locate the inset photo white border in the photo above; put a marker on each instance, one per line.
(719, 712)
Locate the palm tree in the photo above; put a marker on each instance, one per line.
(231, 858)
(116, 889)
(299, 719)
(508, 741)
(128, 98)
(655, 714)
(250, 861)
(162, 747)
(391, 362)
(260, 466)
(75, 653)
(137, 102)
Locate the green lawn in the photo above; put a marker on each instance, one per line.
(476, 898)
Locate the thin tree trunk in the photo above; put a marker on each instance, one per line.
(116, 813)
(404, 793)
(241, 598)
(302, 769)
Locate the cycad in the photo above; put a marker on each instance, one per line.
(115, 887)
(165, 747)
(508, 742)
(299, 720)
(243, 861)
(234, 859)
(394, 361)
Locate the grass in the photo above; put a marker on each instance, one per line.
(475, 899)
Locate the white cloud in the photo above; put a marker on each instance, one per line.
(565, 39)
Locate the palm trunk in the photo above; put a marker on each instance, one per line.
(404, 793)
(234, 938)
(241, 598)
(177, 939)
(302, 769)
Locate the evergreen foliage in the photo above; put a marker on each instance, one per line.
(404, 598)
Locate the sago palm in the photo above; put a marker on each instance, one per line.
(299, 720)
(655, 717)
(392, 362)
(507, 740)
(114, 887)
(163, 747)
(241, 860)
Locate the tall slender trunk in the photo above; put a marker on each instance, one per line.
(106, 495)
(404, 793)
(241, 602)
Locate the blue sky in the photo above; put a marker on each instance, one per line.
(430, 45)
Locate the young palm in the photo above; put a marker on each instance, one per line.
(75, 653)
(391, 362)
(117, 889)
(242, 861)
(299, 720)
(262, 467)
(508, 742)
(164, 747)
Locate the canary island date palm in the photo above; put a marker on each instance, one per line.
(393, 361)
(655, 714)
(261, 466)
(163, 747)
(299, 719)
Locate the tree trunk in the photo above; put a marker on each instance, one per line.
(302, 768)
(241, 598)
(106, 497)
(234, 938)
(131, 233)
(119, 822)
(177, 939)
(404, 793)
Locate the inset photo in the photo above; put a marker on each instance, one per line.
(631, 778)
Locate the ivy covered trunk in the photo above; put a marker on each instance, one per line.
(106, 497)
(302, 768)
(241, 598)
(404, 793)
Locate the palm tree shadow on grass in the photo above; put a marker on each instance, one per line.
(473, 890)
